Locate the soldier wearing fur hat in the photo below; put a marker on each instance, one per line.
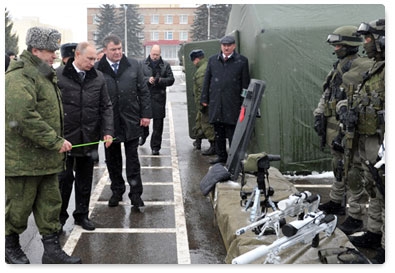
(67, 51)
(202, 129)
(34, 147)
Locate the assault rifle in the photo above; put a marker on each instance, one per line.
(304, 231)
(297, 204)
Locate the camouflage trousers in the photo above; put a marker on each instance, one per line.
(39, 195)
(203, 129)
(368, 148)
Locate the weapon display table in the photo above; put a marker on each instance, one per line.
(230, 216)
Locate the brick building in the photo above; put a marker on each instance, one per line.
(166, 25)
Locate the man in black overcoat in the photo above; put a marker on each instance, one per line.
(226, 76)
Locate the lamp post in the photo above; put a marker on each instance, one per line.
(126, 31)
(208, 21)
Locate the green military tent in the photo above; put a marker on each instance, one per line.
(286, 47)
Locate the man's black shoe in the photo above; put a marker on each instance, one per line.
(136, 201)
(142, 140)
(85, 224)
(332, 208)
(155, 152)
(218, 160)
(114, 200)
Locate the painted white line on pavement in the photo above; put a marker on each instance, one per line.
(130, 230)
(312, 186)
(76, 232)
(183, 255)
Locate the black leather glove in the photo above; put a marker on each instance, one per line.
(319, 124)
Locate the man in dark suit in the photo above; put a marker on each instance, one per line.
(131, 103)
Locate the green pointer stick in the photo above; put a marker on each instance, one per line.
(90, 143)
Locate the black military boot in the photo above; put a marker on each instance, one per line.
(211, 150)
(13, 251)
(54, 254)
(198, 144)
(367, 240)
(351, 225)
(380, 256)
(332, 208)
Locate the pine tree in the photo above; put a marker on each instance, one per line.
(134, 31)
(199, 25)
(219, 15)
(109, 23)
(11, 40)
(219, 20)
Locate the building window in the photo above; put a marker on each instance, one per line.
(183, 19)
(183, 35)
(169, 19)
(141, 19)
(168, 35)
(155, 36)
(95, 19)
(169, 52)
(155, 19)
(95, 35)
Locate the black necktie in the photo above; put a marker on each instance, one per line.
(82, 75)
(115, 66)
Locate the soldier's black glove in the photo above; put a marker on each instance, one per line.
(319, 125)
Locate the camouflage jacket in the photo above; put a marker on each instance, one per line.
(33, 119)
(198, 79)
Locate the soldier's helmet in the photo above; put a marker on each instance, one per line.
(376, 28)
(345, 35)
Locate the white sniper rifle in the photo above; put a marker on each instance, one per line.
(299, 231)
(297, 204)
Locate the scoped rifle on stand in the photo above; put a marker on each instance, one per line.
(304, 231)
(297, 204)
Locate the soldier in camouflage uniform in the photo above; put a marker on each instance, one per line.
(34, 147)
(347, 73)
(203, 129)
(368, 106)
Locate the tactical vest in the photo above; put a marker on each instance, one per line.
(370, 101)
(333, 92)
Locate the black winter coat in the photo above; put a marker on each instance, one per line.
(158, 90)
(129, 95)
(223, 86)
(87, 107)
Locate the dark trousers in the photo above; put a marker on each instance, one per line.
(157, 131)
(223, 131)
(114, 166)
(83, 168)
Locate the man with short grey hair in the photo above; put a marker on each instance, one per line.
(34, 148)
